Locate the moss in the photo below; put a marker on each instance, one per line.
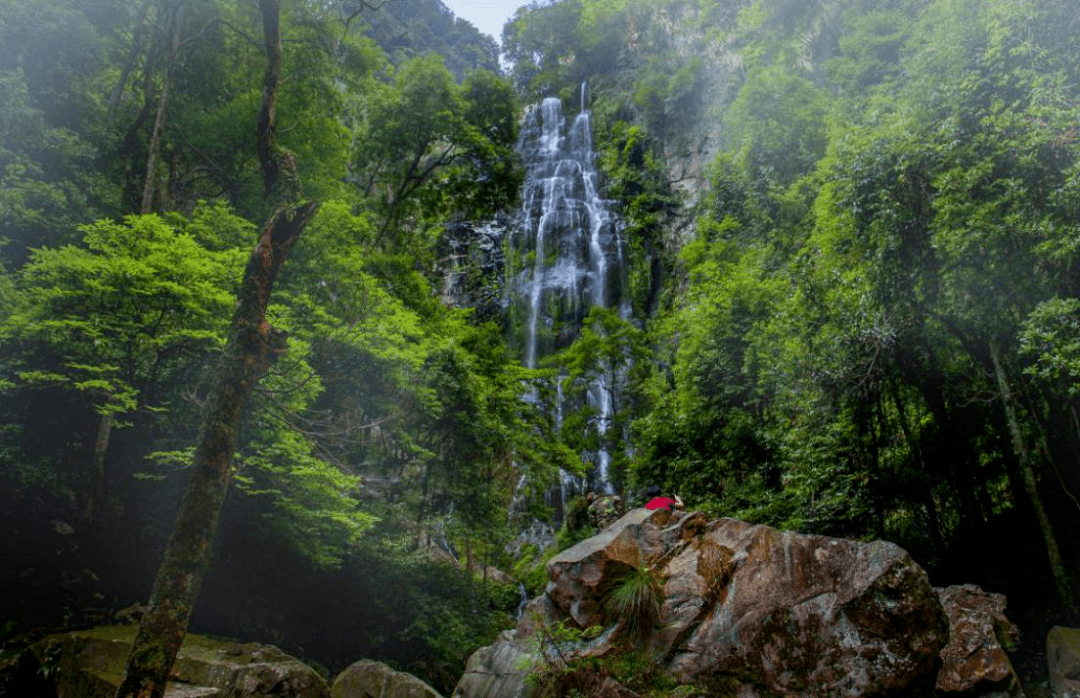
(111, 633)
(195, 647)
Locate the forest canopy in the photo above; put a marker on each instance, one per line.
(852, 233)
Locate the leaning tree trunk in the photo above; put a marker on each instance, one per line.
(1027, 476)
(253, 347)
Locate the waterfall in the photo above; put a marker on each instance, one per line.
(523, 602)
(570, 241)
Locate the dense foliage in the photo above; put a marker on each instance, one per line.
(872, 331)
(130, 196)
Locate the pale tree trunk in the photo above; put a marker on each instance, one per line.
(266, 122)
(253, 347)
(105, 425)
(150, 182)
(101, 443)
(99, 490)
(1027, 476)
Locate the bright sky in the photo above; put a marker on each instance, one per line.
(488, 16)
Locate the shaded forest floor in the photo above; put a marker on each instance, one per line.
(1034, 620)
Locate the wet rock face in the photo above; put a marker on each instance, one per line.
(473, 266)
(499, 670)
(751, 610)
(804, 615)
(580, 574)
(974, 662)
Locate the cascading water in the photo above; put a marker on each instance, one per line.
(570, 241)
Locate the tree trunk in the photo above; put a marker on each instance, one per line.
(149, 184)
(129, 64)
(99, 491)
(923, 487)
(253, 347)
(1027, 476)
(266, 123)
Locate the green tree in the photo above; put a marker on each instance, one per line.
(869, 46)
(427, 147)
(51, 70)
(604, 364)
(121, 317)
(253, 347)
(542, 44)
(778, 126)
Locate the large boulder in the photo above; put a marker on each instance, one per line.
(369, 679)
(501, 669)
(803, 615)
(974, 662)
(746, 610)
(579, 574)
(90, 663)
(1063, 657)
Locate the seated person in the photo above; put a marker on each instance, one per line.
(657, 501)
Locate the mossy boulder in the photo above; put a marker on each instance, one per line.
(369, 679)
(90, 663)
(1063, 656)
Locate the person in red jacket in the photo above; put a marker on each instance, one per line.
(656, 501)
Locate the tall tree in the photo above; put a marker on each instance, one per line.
(253, 347)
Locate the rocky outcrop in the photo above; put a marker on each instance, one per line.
(974, 662)
(687, 133)
(751, 611)
(89, 664)
(368, 679)
(1063, 656)
(472, 264)
(807, 615)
